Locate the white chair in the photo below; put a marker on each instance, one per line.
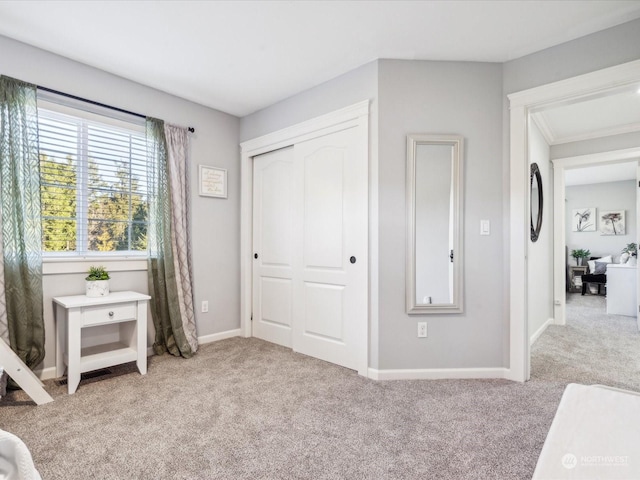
(23, 375)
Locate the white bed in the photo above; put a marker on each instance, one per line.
(15, 459)
(594, 435)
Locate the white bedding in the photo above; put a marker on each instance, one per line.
(15, 459)
(594, 435)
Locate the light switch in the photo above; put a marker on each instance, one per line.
(485, 227)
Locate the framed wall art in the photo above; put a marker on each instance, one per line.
(584, 220)
(212, 182)
(612, 222)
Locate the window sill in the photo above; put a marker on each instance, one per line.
(68, 265)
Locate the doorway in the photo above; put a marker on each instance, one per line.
(597, 339)
(522, 105)
(307, 187)
(585, 169)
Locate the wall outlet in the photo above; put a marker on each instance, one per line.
(422, 329)
(205, 306)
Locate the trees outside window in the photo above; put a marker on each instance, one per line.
(93, 185)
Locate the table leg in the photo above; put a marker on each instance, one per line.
(61, 322)
(141, 337)
(73, 349)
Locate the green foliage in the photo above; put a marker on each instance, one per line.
(97, 273)
(631, 249)
(580, 253)
(117, 212)
(58, 199)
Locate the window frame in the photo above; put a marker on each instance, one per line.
(81, 111)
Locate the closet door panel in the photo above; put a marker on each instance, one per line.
(328, 287)
(273, 246)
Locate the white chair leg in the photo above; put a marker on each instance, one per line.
(23, 375)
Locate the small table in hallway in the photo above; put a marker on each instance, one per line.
(575, 278)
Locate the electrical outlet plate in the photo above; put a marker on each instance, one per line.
(422, 329)
(205, 306)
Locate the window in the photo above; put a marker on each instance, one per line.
(93, 171)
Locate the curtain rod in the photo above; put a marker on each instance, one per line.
(121, 110)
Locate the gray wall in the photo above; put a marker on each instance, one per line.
(602, 196)
(352, 87)
(540, 253)
(421, 97)
(607, 48)
(456, 98)
(216, 223)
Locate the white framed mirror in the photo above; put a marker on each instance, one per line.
(434, 283)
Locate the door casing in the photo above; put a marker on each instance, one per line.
(521, 104)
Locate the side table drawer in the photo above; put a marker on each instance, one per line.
(108, 314)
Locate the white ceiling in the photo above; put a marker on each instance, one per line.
(601, 174)
(241, 56)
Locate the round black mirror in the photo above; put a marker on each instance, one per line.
(535, 201)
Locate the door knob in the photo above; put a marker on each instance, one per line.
(352, 259)
(255, 255)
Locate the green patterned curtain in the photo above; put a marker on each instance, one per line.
(20, 218)
(163, 288)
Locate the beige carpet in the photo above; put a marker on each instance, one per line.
(593, 348)
(247, 409)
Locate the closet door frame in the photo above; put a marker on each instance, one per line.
(357, 116)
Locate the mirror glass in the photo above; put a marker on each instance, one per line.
(536, 202)
(434, 262)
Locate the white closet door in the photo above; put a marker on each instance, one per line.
(330, 260)
(273, 245)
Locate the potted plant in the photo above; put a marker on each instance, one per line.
(579, 254)
(97, 282)
(631, 251)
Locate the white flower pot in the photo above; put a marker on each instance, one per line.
(97, 288)
(633, 261)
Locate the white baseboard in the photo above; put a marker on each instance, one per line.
(46, 373)
(214, 337)
(204, 339)
(374, 374)
(436, 373)
(540, 331)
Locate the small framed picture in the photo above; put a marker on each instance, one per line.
(213, 182)
(584, 220)
(612, 222)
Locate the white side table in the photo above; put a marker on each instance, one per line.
(129, 309)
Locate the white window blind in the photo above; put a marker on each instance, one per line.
(93, 171)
